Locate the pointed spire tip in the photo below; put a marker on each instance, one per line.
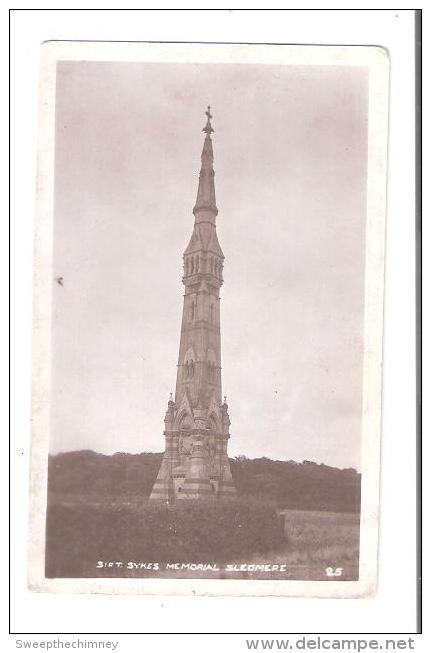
(206, 200)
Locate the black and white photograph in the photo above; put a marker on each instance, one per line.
(208, 325)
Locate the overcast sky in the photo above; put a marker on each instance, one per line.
(290, 148)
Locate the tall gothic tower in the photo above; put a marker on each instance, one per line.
(195, 463)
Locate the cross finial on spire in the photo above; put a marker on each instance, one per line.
(208, 127)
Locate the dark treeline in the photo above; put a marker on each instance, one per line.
(122, 476)
(298, 486)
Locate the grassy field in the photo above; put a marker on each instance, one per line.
(83, 533)
(318, 543)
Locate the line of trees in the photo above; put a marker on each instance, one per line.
(125, 476)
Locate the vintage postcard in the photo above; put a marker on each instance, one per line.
(208, 319)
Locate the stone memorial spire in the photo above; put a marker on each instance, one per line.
(195, 464)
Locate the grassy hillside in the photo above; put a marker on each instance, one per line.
(124, 477)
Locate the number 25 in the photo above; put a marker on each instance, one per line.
(330, 571)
